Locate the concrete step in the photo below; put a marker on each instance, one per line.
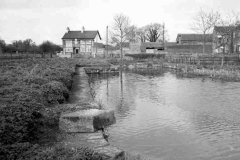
(95, 141)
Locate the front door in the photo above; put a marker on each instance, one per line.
(76, 51)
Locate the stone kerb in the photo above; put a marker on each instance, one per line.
(86, 121)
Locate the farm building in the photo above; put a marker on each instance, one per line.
(81, 42)
(226, 39)
(193, 39)
(151, 47)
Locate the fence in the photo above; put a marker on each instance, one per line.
(6, 56)
(204, 59)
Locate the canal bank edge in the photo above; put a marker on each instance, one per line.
(85, 127)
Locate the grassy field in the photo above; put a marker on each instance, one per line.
(30, 93)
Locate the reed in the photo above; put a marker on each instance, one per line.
(232, 74)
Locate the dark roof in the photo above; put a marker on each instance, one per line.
(81, 35)
(194, 37)
(98, 45)
(225, 29)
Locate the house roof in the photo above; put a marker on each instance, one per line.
(81, 35)
(98, 45)
(194, 37)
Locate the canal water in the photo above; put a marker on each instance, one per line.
(165, 116)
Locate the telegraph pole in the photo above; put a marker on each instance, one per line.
(163, 36)
(107, 40)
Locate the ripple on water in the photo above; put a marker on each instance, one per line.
(172, 118)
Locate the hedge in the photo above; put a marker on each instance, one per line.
(145, 55)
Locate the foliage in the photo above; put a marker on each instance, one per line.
(28, 46)
(2, 45)
(47, 46)
(31, 151)
(55, 92)
(28, 91)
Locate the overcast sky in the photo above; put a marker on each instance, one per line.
(48, 19)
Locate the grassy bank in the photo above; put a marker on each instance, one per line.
(30, 91)
(228, 73)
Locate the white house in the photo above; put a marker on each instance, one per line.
(80, 42)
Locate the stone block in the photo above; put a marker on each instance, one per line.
(86, 121)
(111, 152)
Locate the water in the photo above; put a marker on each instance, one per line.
(168, 117)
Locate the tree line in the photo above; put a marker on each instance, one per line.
(29, 46)
(122, 31)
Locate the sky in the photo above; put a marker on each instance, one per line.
(42, 20)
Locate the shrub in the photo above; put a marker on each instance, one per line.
(55, 92)
(30, 151)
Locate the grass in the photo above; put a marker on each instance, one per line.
(30, 90)
(229, 73)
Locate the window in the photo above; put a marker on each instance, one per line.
(69, 49)
(89, 48)
(82, 48)
(89, 42)
(68, 43)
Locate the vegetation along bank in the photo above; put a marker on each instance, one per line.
(30, 93)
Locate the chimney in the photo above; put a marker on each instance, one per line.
(83, 29)
(68, 29)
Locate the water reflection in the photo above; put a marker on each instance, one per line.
(161, 115)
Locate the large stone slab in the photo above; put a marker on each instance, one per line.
(86, 121)
(111, 152)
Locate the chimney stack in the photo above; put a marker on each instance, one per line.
(83, 29)
(68, 29)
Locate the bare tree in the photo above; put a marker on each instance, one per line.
(132, 34)
(141, 34)
(154, 31)
(203, 23)
(120, 29)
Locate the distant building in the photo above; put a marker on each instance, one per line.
(151, 47)
(226, 39)
(81, 42)
(193, 39)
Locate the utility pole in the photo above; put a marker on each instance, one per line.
(163, 36)
(107, 40)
